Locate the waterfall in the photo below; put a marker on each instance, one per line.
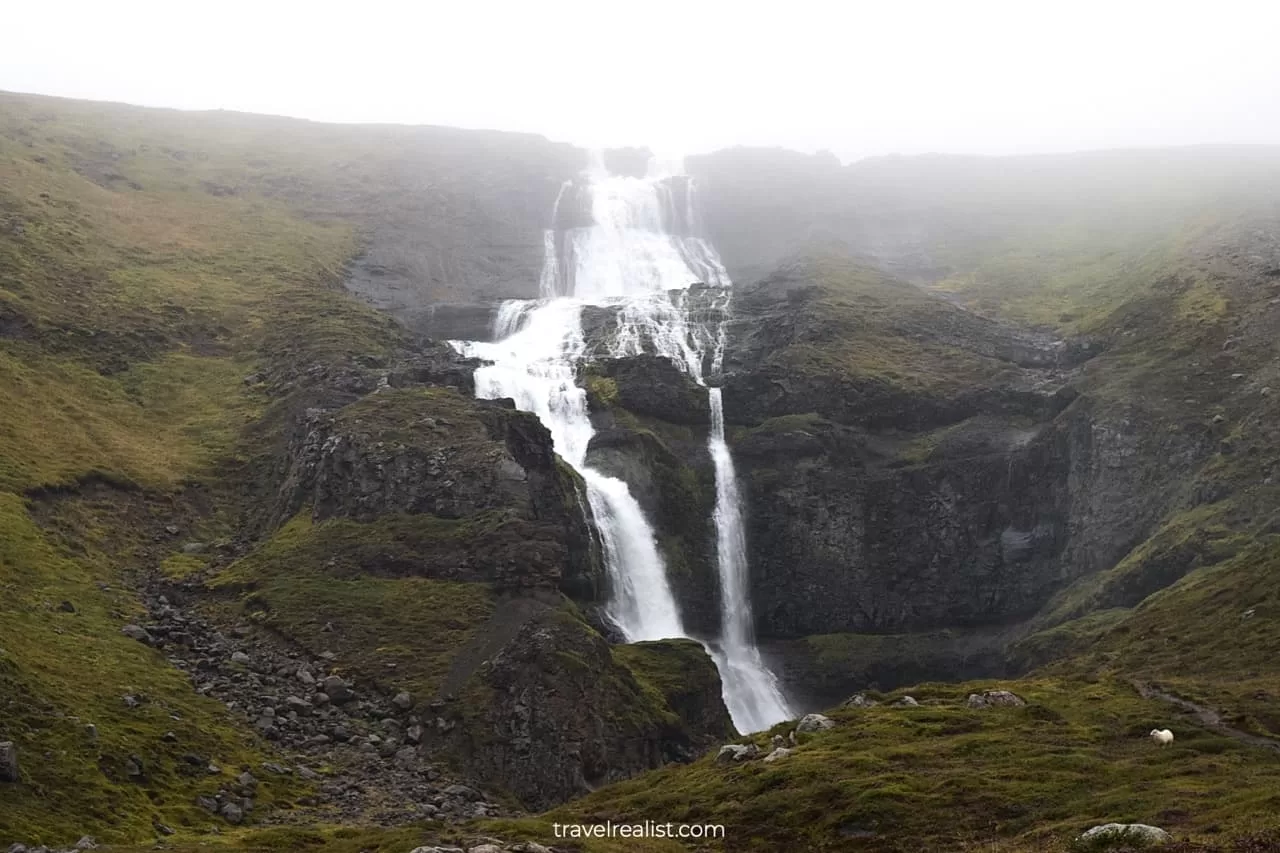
(631, 245)
(534, 362)
(750, 689)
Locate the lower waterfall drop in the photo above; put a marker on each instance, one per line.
(750, 689)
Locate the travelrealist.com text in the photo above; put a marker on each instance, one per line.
(646, 829)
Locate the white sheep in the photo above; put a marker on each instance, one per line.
(1164, 737)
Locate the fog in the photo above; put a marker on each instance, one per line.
(855, 78)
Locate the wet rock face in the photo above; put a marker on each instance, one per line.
(652, 385)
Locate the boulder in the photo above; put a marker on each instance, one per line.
(779, 753)
(231, 813)
(337, 690)
(995, 699)
(907, 702)
(859, 700)
(733, 752)
(814, 723)
(136, 632)
(1134, 834)
(403, 701)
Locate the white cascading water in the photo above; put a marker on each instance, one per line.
(638, 256)
(750, 689)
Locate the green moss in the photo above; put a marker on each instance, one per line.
(943, 776)
(339, 547)
(859, 325)
(677, 676)
(409, 417)
(1188, 540)
(134, 301)
(1073, 637)
(182, 566)
(312, 583)
(1213, 637)
(603, 389)
(810, 422)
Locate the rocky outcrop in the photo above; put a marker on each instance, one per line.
(552, 715)
(829, 336)
(911, 471)
(653, 386)
(678, 670)
(367, 756)
(433, 452)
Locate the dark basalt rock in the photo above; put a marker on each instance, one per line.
(457, 321)
(435, 452)
(652, 385)
(565, 717)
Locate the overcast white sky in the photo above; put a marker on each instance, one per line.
(858, 78)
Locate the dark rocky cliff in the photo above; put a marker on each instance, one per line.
(912, 471)
(395, 473)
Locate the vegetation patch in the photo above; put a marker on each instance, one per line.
(314, 584)
(943, 776)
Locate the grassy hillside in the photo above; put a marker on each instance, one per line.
(943, 776)
(150, 261)
(166, 279)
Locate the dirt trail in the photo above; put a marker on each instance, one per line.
(1208, 717)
